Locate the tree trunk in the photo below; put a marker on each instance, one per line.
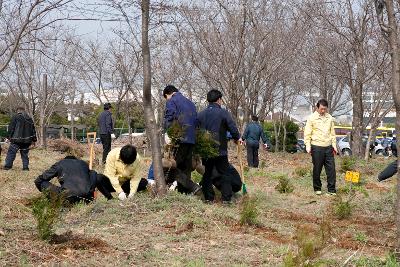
(276, 136)
(391, 30)
(357, 132)
(73, 121)
(370, 139)
(394, 53)
(42, 120)
(131, 128)
(151, 125)
(284, 137)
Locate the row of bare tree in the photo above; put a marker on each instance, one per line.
(266, 57)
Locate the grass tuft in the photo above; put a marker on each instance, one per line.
(347, 164)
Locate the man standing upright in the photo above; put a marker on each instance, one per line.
(218, 122)
(106, 128)
(21, 133)
(251, 136)
(320, 139)
(180, 109)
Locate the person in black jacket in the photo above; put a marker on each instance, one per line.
(232, 173)
(106, 129)
(76, 180)
(21, 134)
(218, 122)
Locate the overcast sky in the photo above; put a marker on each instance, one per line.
(92, 9)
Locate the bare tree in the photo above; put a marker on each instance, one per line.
(40, 76)
(20, 20)
(386, 12)
(151, 125)
(351, 23)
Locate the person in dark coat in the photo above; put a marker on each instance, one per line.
(180, 109)
(21, 134)
(77, 181)
(251, 137)
(218, 122)
(106, 129)
(233, 175)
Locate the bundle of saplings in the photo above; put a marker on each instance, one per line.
(205, 147)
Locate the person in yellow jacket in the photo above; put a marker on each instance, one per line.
(320, 140)
(123, 173)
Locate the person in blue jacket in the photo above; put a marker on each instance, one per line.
(106, 129)
(180, 109)
(251, 137)
(218, 122)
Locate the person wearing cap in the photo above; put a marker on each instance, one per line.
(106, 129)
(180, 109)
(251, 137)
(218, 122)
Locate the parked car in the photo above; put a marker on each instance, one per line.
(133, 134)
(343, 147)
(381, 147)
(85, 141)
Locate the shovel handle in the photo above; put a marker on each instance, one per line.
(240, 162)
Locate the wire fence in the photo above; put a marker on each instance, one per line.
(60, 131)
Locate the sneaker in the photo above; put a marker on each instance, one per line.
(318, 193)
(25, 169)
(331, 194)
(208, 201)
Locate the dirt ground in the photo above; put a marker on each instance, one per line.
(180, 230)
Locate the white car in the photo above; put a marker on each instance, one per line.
(344, 148)
(133, 134)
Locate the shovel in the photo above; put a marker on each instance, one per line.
(244, 188)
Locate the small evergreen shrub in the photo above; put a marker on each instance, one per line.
(249, 212)
(47, 210)
(284, 185)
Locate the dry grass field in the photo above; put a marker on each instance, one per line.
(284, 229)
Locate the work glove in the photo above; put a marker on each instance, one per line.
(167, 139)
(122, 196)
(113, 136)
(173, 186)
